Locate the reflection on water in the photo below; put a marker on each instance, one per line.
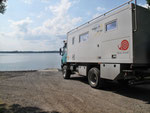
(28, 61)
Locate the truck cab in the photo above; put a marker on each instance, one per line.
(63, 53)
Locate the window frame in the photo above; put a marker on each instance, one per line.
(86, 33)
(110, 22)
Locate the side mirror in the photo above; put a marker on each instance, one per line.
(60, 51)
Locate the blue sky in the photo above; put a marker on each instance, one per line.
(43, 24)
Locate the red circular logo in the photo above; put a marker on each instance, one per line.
(124, 45)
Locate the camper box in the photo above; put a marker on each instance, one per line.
(120, 37)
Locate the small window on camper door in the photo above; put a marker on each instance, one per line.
(111, 25)
(73, 40)
(83, 37)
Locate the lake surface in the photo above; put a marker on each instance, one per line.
(29, 61)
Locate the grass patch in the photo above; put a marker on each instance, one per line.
(1, 102)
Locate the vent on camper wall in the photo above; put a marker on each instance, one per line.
(114, 56)
(73, 57)
(99, 57)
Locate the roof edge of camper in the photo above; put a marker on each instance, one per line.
(135, 1)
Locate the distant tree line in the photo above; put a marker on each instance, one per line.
(148, 2)
(2, 6)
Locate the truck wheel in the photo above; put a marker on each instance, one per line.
(94, 78)
(66, 73)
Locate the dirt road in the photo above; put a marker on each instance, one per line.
(48, 92)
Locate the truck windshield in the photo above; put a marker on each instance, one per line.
(64, 50)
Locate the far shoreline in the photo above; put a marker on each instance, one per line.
(29, 51)
(38, 70)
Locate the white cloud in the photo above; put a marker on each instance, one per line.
(45, 1)
(22, 25)
(61, 22)
(28, 1)
(40, 14)
(100, 9)
(61, 9)
(48, 36)
(13, 43)
(76, 1)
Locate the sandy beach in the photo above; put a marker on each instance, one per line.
(46, 91)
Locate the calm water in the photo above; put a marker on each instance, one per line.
(29, 61)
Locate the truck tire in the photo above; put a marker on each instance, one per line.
(94, 78)
(66, 72)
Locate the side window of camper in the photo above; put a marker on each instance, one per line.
(73, 40)
(111, 25)
(84, 37)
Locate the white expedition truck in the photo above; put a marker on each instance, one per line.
(113, 46)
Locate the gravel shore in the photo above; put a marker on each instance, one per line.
(45, 91)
